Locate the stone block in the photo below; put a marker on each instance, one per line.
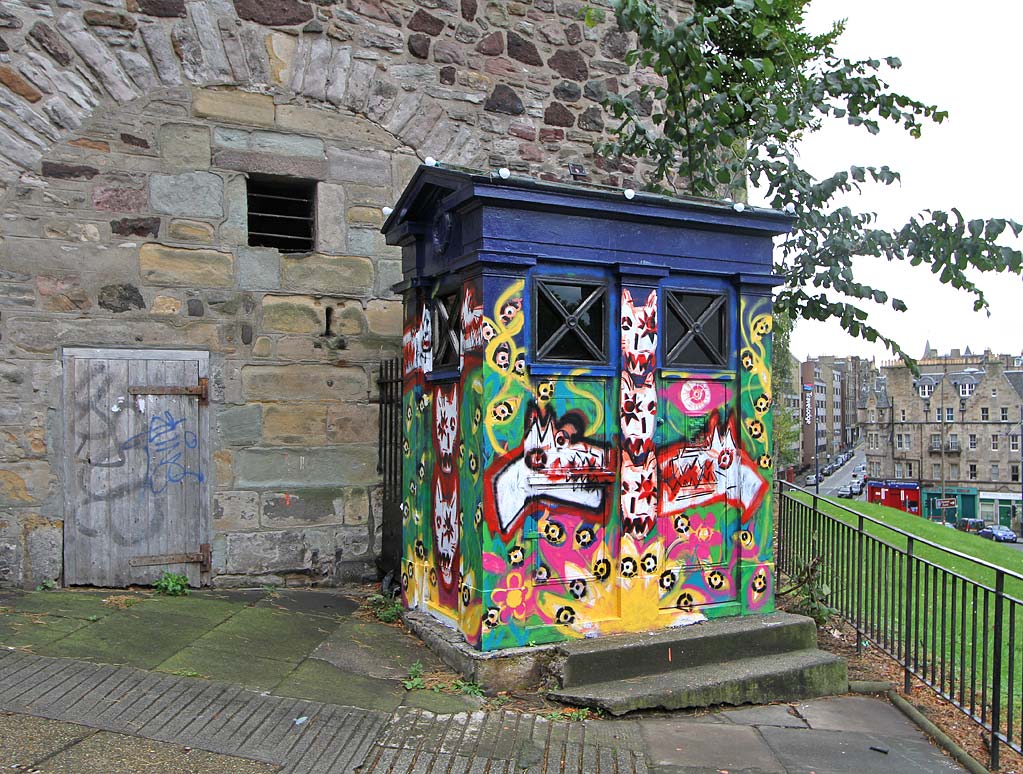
(223, 467)
(295, 423)
(262, 347)
(293, 314)
(350, 131)
(331, 232)
(25, 483)
(185, 230)
(166, 305)
(145, 227)
(119, 198)
(240, 425)
(228, 137)
(286, 144)
(235, 228)
(343, 275)
(385, 317)
(271, 164)
(259, 268)
(185, 146)
(184, 267)
(370, 242)
(366, 216)
(304, 383)
(351, 464)
(121, 297)
(303, 507)
(235, 511)
(389, 273)
(356, 507)
(199, 194)
(233, 106)
(280, 551)
(44, 551)
(352, 423)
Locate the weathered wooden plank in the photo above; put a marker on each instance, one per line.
(137, 457)
(117, 541)
(162, 355)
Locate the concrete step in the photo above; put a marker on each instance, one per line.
(725, 639)
(756, 679)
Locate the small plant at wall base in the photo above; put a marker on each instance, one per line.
(387, 609)
(741, 83)
(171, 585)
(811, 592)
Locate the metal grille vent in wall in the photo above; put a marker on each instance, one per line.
(282, 213)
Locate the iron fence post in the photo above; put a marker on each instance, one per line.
(860, 580)
(996, 668)
(908, 616)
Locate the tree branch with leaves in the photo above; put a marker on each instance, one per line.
(741, 82)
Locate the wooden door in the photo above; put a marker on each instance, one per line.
(136, 450)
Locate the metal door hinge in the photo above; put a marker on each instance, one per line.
(203, 558)
(201, 390)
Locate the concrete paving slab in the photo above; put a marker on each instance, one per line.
(25, 740)
(328, 604)
(139, 636)
(239, 596)
(857, 713)
(440, 702)
(20, 630)
(205, 608)
(319, 681)
(268, 633)
(117, 754)
(765, 715)
(808, 751)
(231, 666)
(708, 745)
(375, 650)
(65, 603)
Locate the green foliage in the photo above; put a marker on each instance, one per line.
(811, 590)
(385, 608)
(786, 425)
(171, 584)
(741, 83)
(47, 585)
(468, 688)
(415, 679)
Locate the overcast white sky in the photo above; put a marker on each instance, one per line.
(966, 59)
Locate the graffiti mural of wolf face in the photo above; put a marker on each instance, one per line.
(555, 451)
(445, 531)
(639, 333)
(446, 421)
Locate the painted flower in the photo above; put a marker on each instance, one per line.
(705, 535)
(515, 597)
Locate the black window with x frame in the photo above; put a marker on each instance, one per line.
(696, 333)
(570, 321)
(446, 327)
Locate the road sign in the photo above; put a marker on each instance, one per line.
(945, 502)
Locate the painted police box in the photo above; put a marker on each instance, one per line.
(586, 407)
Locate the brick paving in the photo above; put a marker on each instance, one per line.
(230, 720)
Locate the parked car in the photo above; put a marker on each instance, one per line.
(861, 469)
(857, 487)
(998, 533)
(811, 480)
(970, 525)
(845, 491)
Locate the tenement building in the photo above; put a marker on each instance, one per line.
(827, 439)
(194, 293)
(952, 433)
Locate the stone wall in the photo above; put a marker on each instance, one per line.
(127, 131)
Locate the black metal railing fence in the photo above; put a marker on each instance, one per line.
(949, 619)
(389, 457)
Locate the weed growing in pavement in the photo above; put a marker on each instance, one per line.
(47, 585)
(385, 608)
(415, 679)
(468, 688)
(171, 585)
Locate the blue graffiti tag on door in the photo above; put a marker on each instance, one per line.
(165, 441)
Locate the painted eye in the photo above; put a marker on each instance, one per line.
(602, 569)
(565, 615)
